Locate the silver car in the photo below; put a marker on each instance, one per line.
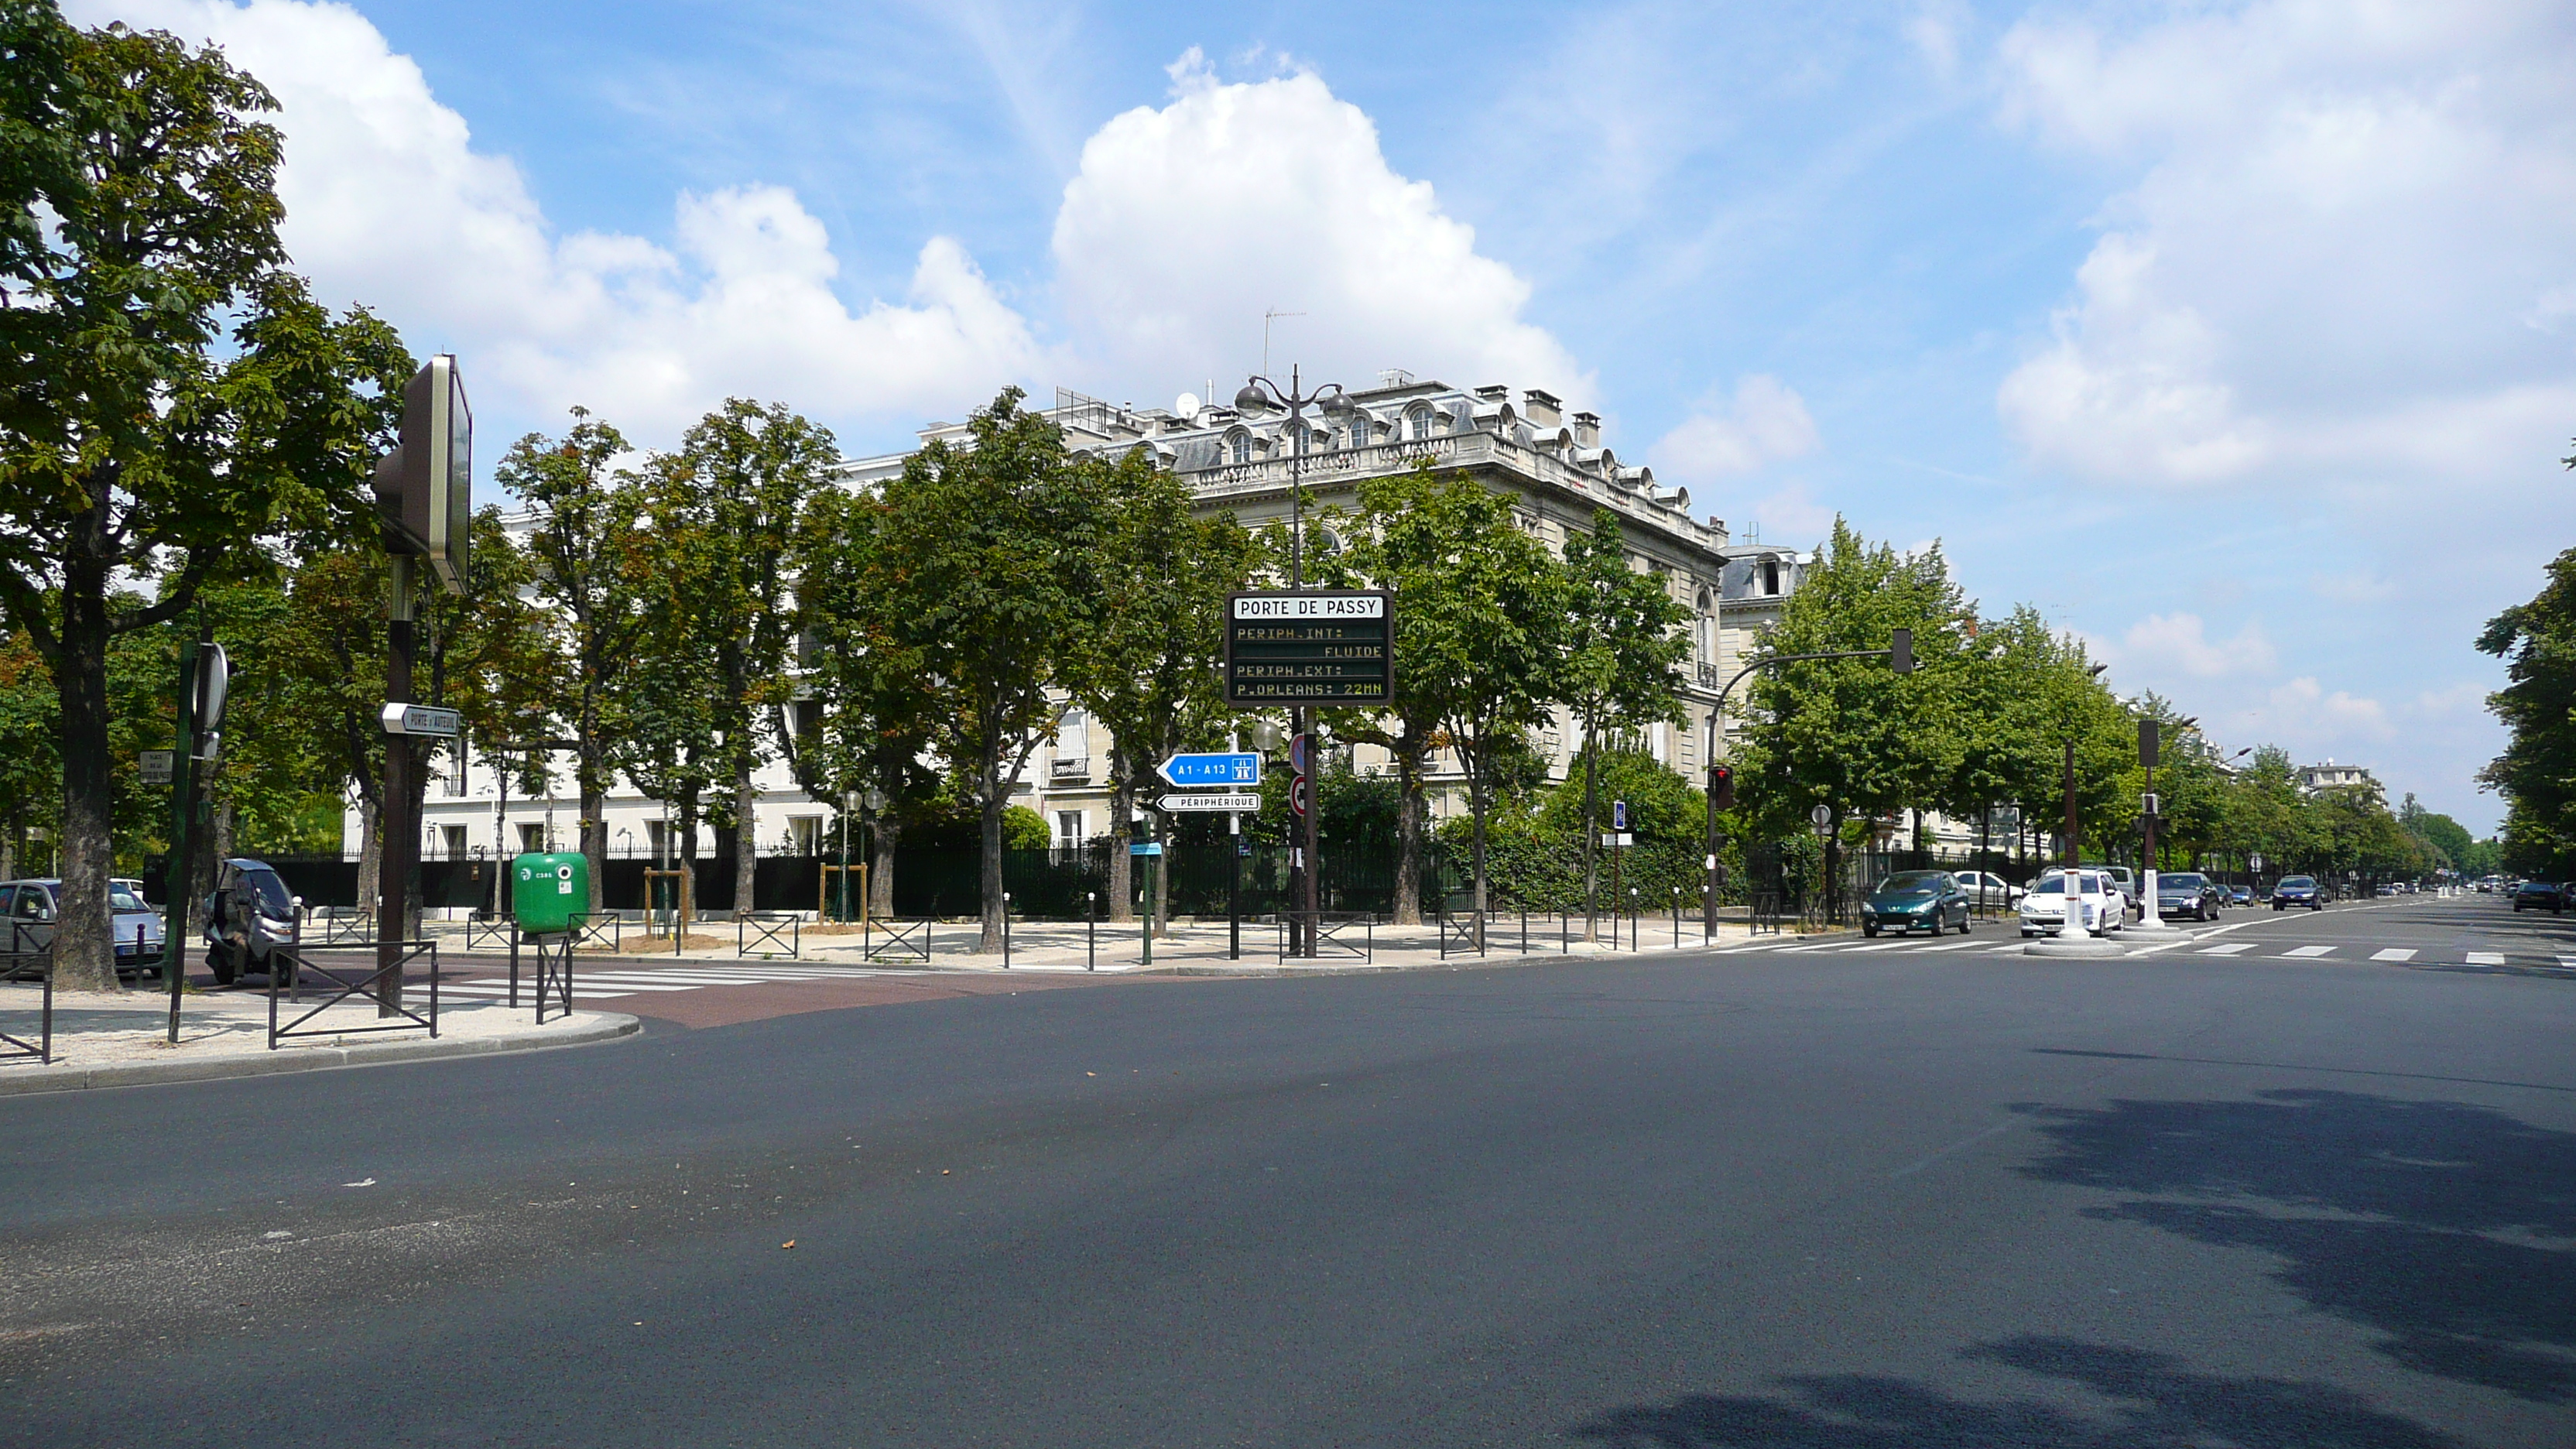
(30, 908)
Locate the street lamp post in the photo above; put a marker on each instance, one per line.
(1260, 395)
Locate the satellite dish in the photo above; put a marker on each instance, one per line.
(1186, 405)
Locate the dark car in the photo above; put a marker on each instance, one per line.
(2186, 893)
(2297, 890)
(249, 916)
(1930, 899)
(2241, 895)
(2540, 895)
(29, 908)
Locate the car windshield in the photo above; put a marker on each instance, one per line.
(124, 897)
(2297, 882)
(1912, 880)
(2184, 882)
(271, 893)
(2053, 886)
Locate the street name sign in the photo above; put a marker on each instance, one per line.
(1145, 847)
(1185, 771)
(160, 767)
(422, 719)
(1211, 800)
(1310, 648)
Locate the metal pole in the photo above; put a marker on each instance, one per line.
(1716, 734)
(1006, 930)
(1090, 931)
(401, 832)
(183, 802)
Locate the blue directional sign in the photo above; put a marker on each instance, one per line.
(1222, 769)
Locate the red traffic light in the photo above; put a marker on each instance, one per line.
(1722, 786)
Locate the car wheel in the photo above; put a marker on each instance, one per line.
(1869, 928)
(221, 962)
(1966, 923)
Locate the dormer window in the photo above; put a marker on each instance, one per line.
(1771, 576)
(1421, 420)
(1238, 448)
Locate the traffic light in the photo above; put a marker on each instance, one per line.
(1722, 786)
(1901, 654)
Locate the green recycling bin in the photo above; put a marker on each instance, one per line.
(548, 891)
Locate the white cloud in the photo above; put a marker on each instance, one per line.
(2344, 252)
(1790, 516)
(1763, 423)
(389, 204)
(2162, 646)
(2304, 710)
(1188, 221)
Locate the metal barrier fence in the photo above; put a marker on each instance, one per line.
(554, 975)
(607, 930)
(1330, 928)
(760, 930)
(16, 1048)
(494, 934)
(903, 941)
(366, 985)
(345, 928)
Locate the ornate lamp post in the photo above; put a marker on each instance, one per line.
(1260, 395)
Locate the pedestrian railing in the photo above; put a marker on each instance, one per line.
(554, 975)
(605, 931)
(494, 934)
(760, 931)
(1333, 932)
(1458, 934)
(23, 957)
(291, 968)
(344, 928)
(884, 938)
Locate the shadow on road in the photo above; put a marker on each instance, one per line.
(2156, 1402)
(2444, 1226)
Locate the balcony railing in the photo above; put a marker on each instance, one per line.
(1070, 769)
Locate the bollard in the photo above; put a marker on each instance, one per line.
(1677, 918)
(1090, 931)
(1006, 930)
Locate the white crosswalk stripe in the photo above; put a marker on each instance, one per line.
(2394, 953)
(1955, 946)
(2230, 949)
(2486, 958)
(1876, 946)
(2309, 951)
(2567, 963)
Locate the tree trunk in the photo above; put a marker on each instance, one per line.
(746, 860)
(1476, 805)
(370, 855)
(993, 803)
(84, 953)
(594, 830)
(1408, 835)
(881, 868)
(1122, 812)
(1591, 834)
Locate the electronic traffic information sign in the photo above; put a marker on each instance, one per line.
(1315, 648)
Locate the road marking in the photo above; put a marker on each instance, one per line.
(2230, 949)
(2567, 963)
(2310, 951)
(2486, 958)
(526, 989)
(625, 985)
(2398, 953)
(1954, 946)
(1876, 946)
(692, 978)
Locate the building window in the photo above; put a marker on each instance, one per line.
(451, 841)
(1771, 576)
(532, 838)
(1421, 420)
(1068, 828)
(656, 837)
(1238, 448)
(805, 835)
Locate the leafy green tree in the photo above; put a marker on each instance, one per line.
(987, 575)
(1851, 735)
(169, 394)
(2536, 773)
(1149, 673)
(1480, 608)
(586, 555)
(872, 729)
(1623, 653)
(721, 516)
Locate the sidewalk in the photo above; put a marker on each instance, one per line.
(1193, 947)
(121, 1039)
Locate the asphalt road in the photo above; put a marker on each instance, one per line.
(1835, 1199)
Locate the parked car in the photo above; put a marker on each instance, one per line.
(1986, 888)
(31, 906)
(2094, 898)
(249, 915)
(2298, 890)
(1915, 898)
(2126, 883)
(2540, 895)
(2240, 895)
(2186, 893)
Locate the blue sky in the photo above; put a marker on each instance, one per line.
(2239, 337)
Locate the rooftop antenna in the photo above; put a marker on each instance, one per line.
(1265, 335)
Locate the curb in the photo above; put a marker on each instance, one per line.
(612, 1026)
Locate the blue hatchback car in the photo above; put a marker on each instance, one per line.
(2298, 890)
